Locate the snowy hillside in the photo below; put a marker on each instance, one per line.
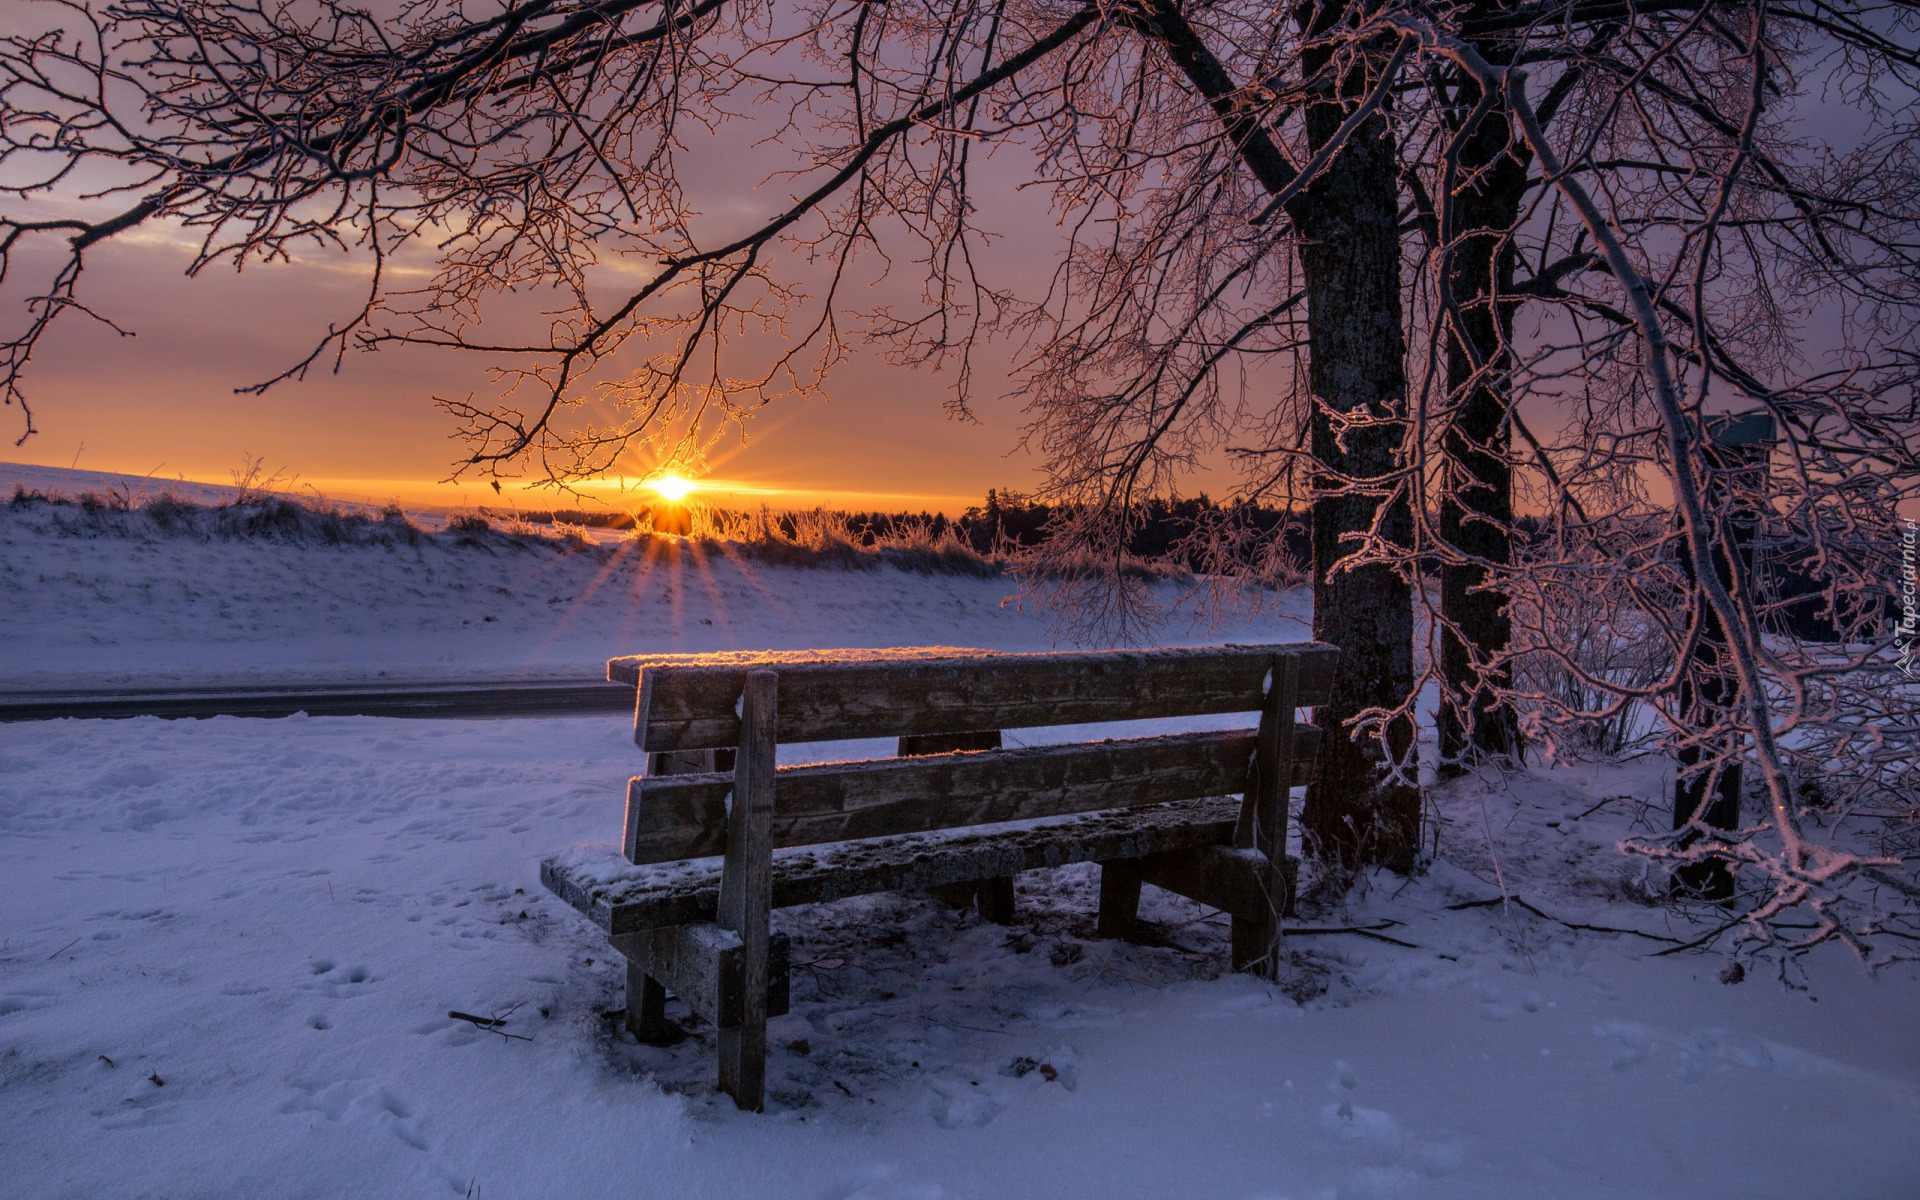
(229, 947)
(108, 598)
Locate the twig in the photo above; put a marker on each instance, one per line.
(973, 1028)
(1362, 930)
(1596, 808)
(63, 949)
(490, 1024)
(1502, 900)
(1697, 942)
(1894, 933)
(1486, 826)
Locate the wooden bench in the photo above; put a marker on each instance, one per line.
(717, 837)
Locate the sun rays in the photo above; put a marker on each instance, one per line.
(673, 488)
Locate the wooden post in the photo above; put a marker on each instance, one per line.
(746, 890)
(991, 898)
(1263, 819)
(1119, 899)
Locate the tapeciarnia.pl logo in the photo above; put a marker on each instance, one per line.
(1903, 634)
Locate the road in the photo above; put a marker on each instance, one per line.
(468, 698)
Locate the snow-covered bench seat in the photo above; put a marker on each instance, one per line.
(707, 855)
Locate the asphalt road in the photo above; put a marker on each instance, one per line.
(468, 699)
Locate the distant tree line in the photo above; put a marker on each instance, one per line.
(1185, 532)
(1204, 536)
(1197, 533)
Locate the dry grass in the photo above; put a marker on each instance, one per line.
(813, 539)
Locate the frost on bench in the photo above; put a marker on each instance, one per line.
(626, 669)
(621, 897)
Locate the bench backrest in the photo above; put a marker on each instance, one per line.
(693, 702)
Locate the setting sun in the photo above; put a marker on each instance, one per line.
(672, 487)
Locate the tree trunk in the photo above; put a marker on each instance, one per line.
(1349, 223)
(1350, 258)
(1476, 505)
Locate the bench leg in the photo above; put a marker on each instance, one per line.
(993, 899)
(1119, 899)
(647, 1010)
(1252, 946)
(1256, 949)
(743, 1064)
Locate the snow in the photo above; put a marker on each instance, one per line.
(229, 947)
(91, 609)
(628, 666)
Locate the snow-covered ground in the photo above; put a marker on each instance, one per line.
(228, 948)
(83, 606)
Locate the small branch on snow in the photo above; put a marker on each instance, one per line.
(1696, 943)
(1596, 808)
(490, 1024)
(1489, 903)
(1362, 930)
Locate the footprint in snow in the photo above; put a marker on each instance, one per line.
(329, 1098)
(961, 1103)
(1493, 1004)
(1636, 1042)
(1707, 1049)
(349, 1099)
(152, 1103)
(396, 1111)
(1392, 1148)
(876, 1183)
(19, 1002)
(340, 983)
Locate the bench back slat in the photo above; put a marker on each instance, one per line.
(674, 817)
(687, 702)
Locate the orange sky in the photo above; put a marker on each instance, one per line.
(162, 403)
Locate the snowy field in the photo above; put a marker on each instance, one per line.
(228, 948)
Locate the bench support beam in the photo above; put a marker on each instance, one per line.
(647, 1009)
(646, 994)
(1240, 883)
(702, 964)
